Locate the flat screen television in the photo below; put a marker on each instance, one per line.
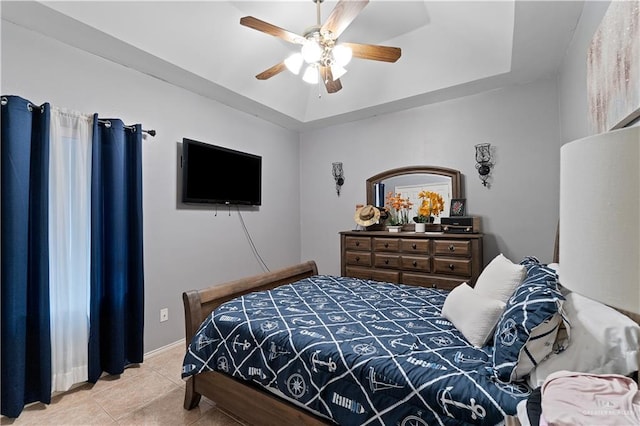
(216, 175)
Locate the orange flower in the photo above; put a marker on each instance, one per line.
(432, 204)
(398, 208)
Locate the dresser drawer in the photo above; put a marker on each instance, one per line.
(461, 267)
(386, 244)
(386, 276)
(386, 260)
(362, 273)
(358, 258)
(358, 243)
(415, 246)
(416, 263)
(453, 248)
(412, 278)
(431, 281)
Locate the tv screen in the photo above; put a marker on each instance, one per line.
(217, 175)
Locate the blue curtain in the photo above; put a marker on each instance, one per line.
(25, 340)
(117, 281)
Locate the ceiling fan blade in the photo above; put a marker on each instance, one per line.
(374, 52)
(342, 15)
(268, 73)
(327, 77)
(265, 27)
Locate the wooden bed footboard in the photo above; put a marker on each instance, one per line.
(243, 400)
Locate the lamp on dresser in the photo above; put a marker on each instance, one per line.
(600, 218)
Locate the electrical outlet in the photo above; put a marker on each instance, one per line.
(164, 314)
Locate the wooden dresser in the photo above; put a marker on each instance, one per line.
(430, 260)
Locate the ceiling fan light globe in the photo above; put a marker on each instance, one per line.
(342, 55)
(337, 71)
(311, 75)
(311, 51)
(294, 63)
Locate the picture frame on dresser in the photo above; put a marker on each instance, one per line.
(458, 207)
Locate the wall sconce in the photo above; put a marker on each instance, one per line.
(338, 176)
(483, 161)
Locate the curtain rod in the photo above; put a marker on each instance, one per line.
(107, 124)
(30, 106)
(4, 100)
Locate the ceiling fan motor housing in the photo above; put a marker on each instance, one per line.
(319, 46)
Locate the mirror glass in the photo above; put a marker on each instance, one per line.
(409, 181)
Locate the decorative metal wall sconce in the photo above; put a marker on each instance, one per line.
(483, 162)
(338, 176)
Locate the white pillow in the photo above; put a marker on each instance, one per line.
(474, 315)
(602, 341)
(500, 278)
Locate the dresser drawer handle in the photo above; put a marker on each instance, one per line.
(386, 245)
(357, 258)
(414, 263)
(452, 248)
(414, 246)
(434, 286)
(451, 266)
(357, 243)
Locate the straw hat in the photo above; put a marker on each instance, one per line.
(367, 215)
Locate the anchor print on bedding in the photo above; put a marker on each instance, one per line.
(355, 351)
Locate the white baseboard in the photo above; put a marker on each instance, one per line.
(180, 342)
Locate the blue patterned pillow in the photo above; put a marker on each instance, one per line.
(528, 327)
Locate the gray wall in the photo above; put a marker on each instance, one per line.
(526, 125)
(184, 249)
(520, 210)
(301, 213)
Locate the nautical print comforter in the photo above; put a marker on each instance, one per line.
(355, 351)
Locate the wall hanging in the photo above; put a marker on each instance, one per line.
(483, 162)
(338, 176)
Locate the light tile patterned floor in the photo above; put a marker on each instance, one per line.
(150, 394)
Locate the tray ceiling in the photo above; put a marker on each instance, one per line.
(449, 49)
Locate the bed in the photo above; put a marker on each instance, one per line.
(241, 399)
(328, 349)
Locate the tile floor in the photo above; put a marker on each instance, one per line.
(150, 394)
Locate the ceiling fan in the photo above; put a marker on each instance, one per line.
(320, 50)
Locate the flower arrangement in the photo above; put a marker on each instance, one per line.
(398, 208)
(432, 205)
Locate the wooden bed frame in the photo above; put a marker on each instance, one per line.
(241, 399)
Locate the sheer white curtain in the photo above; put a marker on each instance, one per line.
(69, 245)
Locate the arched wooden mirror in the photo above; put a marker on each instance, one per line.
(410, 180)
